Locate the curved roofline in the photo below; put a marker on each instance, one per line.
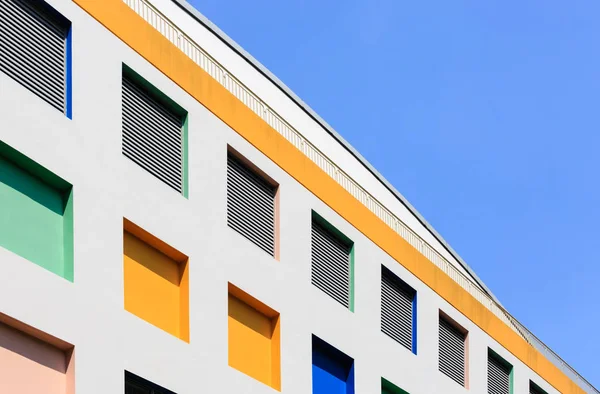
(194, 13)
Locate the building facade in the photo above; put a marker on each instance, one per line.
(174, 220)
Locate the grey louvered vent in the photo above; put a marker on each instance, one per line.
(33, 49)
(451, 352)
(250, 205)
(152, 135)
(330, 264)
(396, 309)
(498, 376)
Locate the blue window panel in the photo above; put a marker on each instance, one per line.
(332, 370)
(414, 325)
(69, 97)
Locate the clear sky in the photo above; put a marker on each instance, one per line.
(483, 114)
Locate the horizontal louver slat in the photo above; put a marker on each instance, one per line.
(396, 310)
(44, 22)
(498, 376)
(33, 49)
(330, 264)
(152, 135)
(152, 108)
(250, 205)
(451, 352)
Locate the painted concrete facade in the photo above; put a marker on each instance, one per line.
(107, 187)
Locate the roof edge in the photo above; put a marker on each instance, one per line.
(193, 12)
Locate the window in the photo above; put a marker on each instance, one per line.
(388, 387)
(331, 262)
(499, 374)
(156, 281)
(452, 340)
(251, 203)
(154, 131)
(34, 361)
(137, 385)
(36, 213)
(35, 50)
(535, 389)
(253, 338)
(332, 370)
(398, 310)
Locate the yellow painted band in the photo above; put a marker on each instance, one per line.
(117, 17)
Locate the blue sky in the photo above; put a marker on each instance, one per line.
(484, 114)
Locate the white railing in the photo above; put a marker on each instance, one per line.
(151, 15)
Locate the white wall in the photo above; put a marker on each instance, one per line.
(89, 313)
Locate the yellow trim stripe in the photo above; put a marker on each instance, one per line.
(117, 17)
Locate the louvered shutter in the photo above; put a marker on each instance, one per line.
(451, 352)
(33, 50)
(396, 309)
(250, 205)
(152, 135)
(330, 264)
(498, 376)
